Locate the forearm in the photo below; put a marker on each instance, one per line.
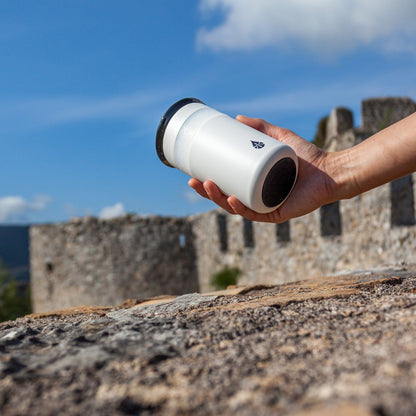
(385, 156)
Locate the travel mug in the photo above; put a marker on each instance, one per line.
(206, 144)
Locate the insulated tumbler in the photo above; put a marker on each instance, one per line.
(206, 144)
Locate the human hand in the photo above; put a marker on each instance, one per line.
(314, 187)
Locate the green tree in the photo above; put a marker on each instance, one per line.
(12, 303)
(386, 120)
(226, 277)
(319, 139)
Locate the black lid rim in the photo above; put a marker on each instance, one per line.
(171, 111)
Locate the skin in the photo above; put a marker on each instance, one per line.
(326, 177)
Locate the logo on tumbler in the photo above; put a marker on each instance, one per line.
(257, 145)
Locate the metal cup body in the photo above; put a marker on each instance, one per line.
(207, 144)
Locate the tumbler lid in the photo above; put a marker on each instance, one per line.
(164, 122)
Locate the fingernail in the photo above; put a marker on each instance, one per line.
(206, 187)
(231, 200)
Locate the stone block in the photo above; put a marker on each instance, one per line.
(379, 113)
(340, 120)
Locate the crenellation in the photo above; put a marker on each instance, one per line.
(222, 232)
(340, 121)
(283, 232)
(331, 221)
(402, 201)
(248, 233)
(91, 261)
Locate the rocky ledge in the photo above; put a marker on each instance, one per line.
(342, 345)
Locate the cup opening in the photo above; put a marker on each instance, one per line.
(279, 182)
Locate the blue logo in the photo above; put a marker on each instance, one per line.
(257, 145)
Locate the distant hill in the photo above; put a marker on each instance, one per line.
(14, 250)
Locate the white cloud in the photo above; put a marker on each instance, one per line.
(327, 27)
(116, 210)
(15, 207)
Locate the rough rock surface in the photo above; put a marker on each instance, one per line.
(342, 345)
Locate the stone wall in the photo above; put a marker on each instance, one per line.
(374, 229)
(90, 261)
(104, 262)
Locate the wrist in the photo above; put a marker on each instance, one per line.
(341, 175)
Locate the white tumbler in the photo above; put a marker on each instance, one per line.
(206, 144)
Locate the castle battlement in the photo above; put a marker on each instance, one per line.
(92, 261)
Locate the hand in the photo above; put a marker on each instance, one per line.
(314, 186)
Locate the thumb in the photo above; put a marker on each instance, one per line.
(263, 126)
(255, 123)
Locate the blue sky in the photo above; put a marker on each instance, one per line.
(83, 85)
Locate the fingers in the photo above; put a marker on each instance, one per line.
(209, 190)
(198, 186)
(231, 204)
(251, 215)
(214, 193)
(240, 209)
